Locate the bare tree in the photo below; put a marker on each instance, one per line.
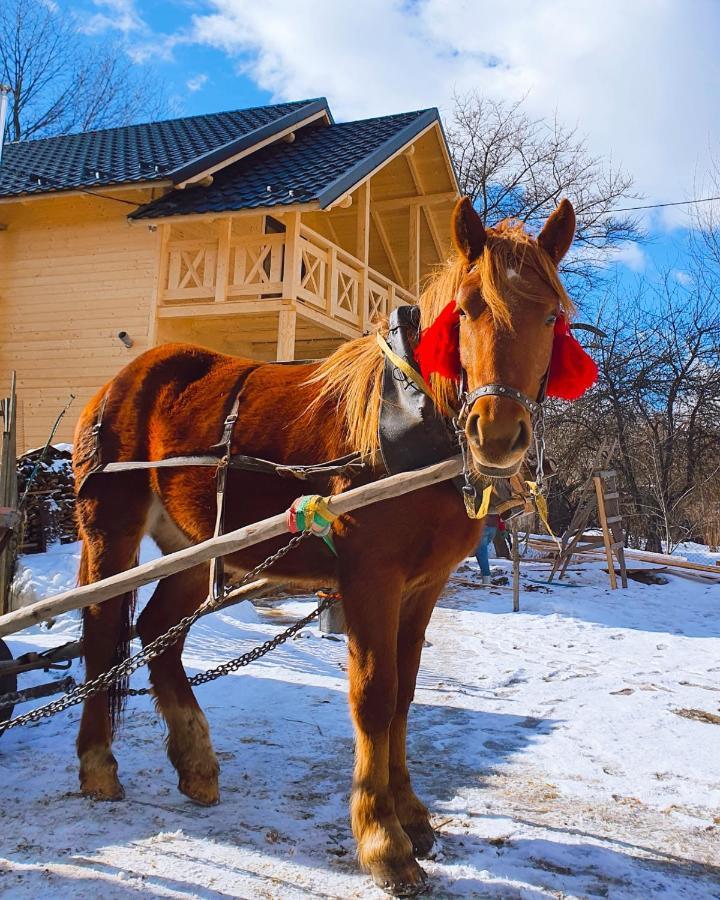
(659, 395)
(60, 81)
(512, 165)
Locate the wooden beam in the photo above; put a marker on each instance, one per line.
(414, 250)
(414, 200)
(305, 311)
(293, 257)
(222, 268)
(417, 180)
(362, 247)
(230, 308)
(362, 240)
(286, 333)
(221, 545)
(277, 211)
(161, 271)
(387, 247)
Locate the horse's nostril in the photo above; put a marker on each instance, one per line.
(522, 439)
(473, 429)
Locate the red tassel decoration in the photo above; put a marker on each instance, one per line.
(439, 347)
(572, 370)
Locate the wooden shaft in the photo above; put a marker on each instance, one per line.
(222, 545)
(75, 649)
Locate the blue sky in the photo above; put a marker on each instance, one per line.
(639, 79)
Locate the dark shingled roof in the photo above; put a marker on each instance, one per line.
(321, 164)
(139, 153)
(324, 161)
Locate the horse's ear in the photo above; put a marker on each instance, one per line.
(467, 230)
(558, 233)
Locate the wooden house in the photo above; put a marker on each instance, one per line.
(274, 233)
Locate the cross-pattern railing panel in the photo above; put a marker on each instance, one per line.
(313, 274)
(256, 266)
(346, 293)
(191, 270)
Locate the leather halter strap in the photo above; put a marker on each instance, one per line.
(500, 390)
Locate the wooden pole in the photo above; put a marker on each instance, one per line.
(222, 545)
(607, 537)
(8, 493)
(73, 650)
(516, 566)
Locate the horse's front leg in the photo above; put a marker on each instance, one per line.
(372, 613)
(412, 813)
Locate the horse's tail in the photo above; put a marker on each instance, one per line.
(108, 623)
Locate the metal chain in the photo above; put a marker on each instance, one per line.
(159, 645)
(251, 656)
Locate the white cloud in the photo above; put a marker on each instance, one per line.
(117, 15)
(682, 277)
(196, 82)
(639, 79)
(630, 255)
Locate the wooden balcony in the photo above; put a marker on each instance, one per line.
(296, 273)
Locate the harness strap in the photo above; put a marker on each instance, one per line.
(217, 563)
(342, 465)
(412, 374)
(501, 390)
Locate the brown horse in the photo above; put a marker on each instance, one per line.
(393, 558)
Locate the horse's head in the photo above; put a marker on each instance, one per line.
(509, 300)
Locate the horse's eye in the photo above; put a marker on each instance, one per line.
(461, 312)
(551, 320)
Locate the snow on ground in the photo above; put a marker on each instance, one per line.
(547, 744)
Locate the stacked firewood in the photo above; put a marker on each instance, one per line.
(49, 508)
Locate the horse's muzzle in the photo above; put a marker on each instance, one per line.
(498, 432)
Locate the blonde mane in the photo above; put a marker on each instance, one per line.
(351, 378)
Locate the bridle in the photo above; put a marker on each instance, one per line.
(536, 410)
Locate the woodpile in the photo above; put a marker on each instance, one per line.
(49, 508)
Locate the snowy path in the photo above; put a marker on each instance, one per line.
(546, 743)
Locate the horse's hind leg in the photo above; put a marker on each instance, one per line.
(188, 740)
(372, 609)
(111, 526)
(412, 812)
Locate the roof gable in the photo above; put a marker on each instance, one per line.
(320, 166)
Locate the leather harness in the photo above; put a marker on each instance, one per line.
(412, 434)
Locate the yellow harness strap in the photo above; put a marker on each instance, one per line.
(411, 373)
(542, 508)
(484, 504)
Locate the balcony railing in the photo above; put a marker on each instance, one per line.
(329, 280)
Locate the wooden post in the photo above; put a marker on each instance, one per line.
(161, 276)
(291, 268)
(362, 249)
(8, 493)
(414, 250)
(515, 566)
(222, 268)
(607, 537)
(286, 332)
(332, 281)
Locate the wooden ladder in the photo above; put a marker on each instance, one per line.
(600, 493)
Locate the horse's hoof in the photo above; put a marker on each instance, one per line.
(102, 786)
(422, 837)
(407, 880)
(204, 793)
